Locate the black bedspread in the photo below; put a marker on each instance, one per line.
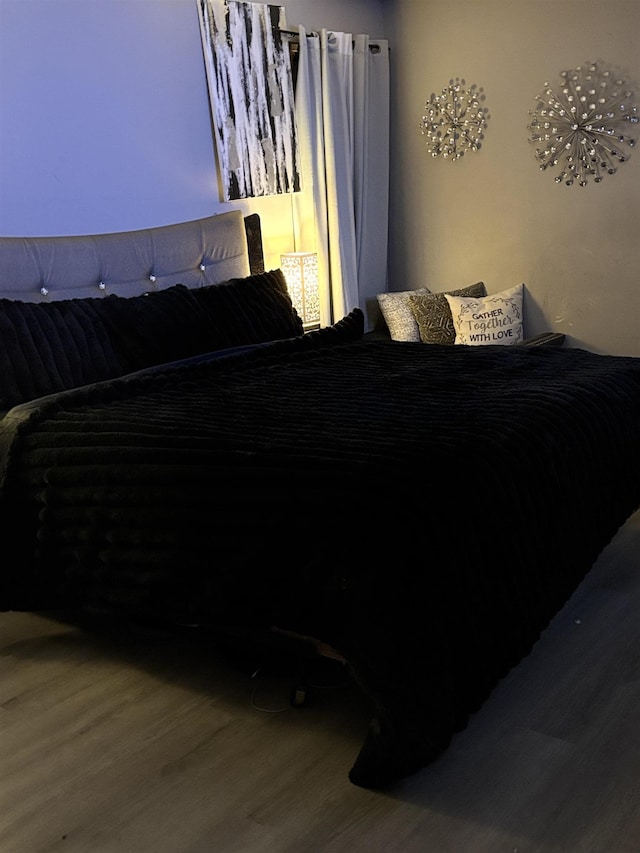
(425, 510)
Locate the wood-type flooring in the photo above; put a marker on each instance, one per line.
(142, 742)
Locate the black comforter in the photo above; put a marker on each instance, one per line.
(425, 510)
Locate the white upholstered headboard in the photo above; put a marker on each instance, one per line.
(129, 263)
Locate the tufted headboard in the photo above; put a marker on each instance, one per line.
(129, 263)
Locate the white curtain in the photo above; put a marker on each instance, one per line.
(342, 116)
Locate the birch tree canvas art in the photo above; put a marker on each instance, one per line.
(251, 94)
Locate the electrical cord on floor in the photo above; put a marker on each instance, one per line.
(254, 703)
(298, 689)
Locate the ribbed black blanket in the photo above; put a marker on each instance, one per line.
(425, 510)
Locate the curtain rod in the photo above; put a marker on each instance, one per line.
(374, 48)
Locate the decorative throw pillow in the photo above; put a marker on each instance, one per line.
(398, 315)
(493, 319)
(433, 314)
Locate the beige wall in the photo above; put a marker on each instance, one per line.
(493, 215)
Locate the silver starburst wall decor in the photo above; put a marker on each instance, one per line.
(454, 121)
(586, 126)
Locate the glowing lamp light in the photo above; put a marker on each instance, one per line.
(300, 270)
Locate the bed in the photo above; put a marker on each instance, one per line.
(175, 449)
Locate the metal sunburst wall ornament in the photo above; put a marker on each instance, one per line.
(454, 121)
(584, 128)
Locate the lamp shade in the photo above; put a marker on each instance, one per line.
(300, 270)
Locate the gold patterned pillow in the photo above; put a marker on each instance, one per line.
(433, 314)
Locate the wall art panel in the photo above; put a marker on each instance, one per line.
(252, 100)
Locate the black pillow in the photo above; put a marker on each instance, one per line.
(46, 347)
(345, 331)
(156, 327)
(249, 310)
